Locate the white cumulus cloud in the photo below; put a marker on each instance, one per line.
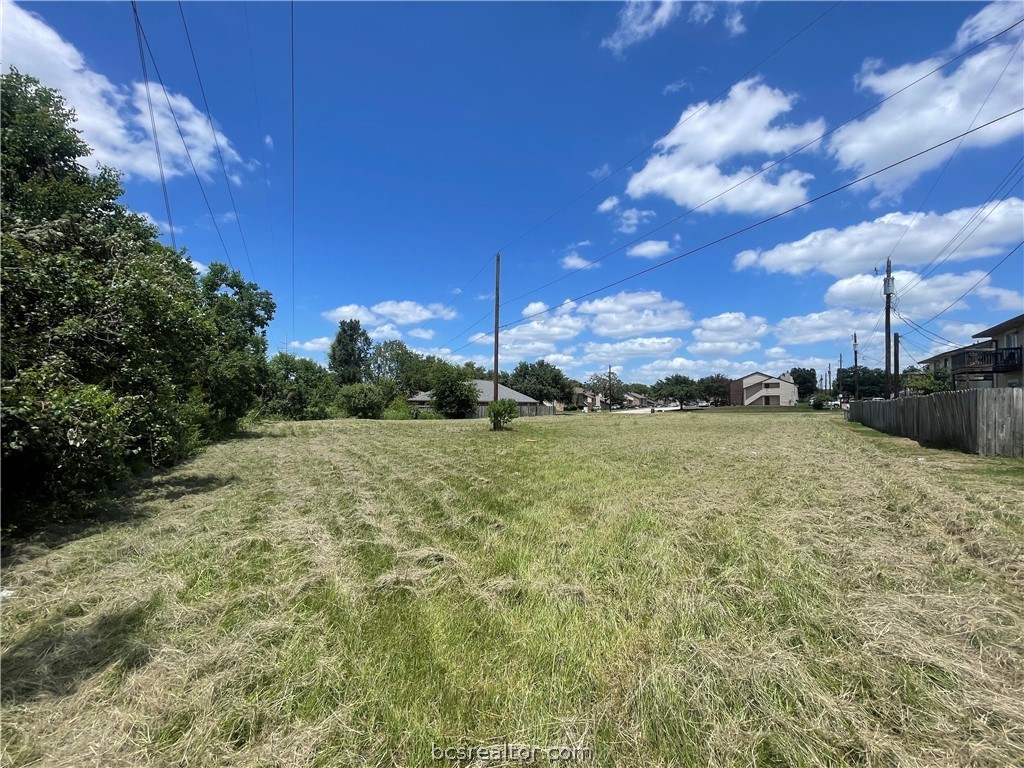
(687, 167)
(113, 118)
(650, 249)
(859, 247)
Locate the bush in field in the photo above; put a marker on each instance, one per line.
(399, 410)
(819, 401)
(363, 401)
(501, 413)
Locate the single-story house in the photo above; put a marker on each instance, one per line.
(485, 394)
(761, 389)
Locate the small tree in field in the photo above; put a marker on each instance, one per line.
(501, 413)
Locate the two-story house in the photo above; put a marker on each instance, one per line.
(995, 361)
(1005, 363)
(761, 389)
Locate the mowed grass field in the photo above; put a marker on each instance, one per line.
(725, 588)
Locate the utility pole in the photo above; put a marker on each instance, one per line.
(856, 371)
(896, 364)
(887, 287)
(609, 386)
(829, 379)
(497, 304)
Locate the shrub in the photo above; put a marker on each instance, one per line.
(501, 413)
(398, 410)
(818, 401)
(362, 401)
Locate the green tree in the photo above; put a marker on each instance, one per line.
(871, 382)
(542, 381)
(235, 370)
(363, 401)
(608, 386)
(452, 394)
(676, 387)
(349, 353)
(925, 381)
(299, 389)
(474, 371)
(715, 389)
(806, 380)
(115, 356)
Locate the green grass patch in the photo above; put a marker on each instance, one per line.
(760, 587)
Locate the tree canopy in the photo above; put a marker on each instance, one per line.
(541, 381)
(115, 355)
(349, 354)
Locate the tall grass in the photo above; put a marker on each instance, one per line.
(771, 590)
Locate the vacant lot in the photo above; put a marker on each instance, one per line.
(718, 588)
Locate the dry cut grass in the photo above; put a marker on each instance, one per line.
(706, 589)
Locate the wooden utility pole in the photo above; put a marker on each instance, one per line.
(896, 365)
(497, 304)
(609, 387)
(829, 379)
(856, 371)
(887, 287)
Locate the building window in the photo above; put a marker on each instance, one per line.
(771, 385)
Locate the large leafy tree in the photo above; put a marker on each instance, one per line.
(299, 389)
(608, 385)
(676, 387)
(108, 336)
(806, 380)
(715, 389)
(235, 369)
(871, 382)
(452, 393)
(542, 381)
(349, 353)
(392, 363)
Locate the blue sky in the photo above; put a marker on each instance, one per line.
(429, 135)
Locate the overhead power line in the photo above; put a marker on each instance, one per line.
(976, 219)
(216, 140)
(980, 281)
(764, 221)
(184, 143)
(949, 159)
(754, 175)
(152, 123)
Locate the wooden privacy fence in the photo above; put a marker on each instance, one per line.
(985, 421)
(525, 409)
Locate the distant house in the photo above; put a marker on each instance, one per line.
(761, 389)
(485, 394)
(996, 361)
(584, 398)
(635, 400)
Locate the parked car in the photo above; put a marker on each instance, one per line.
(703, 404)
